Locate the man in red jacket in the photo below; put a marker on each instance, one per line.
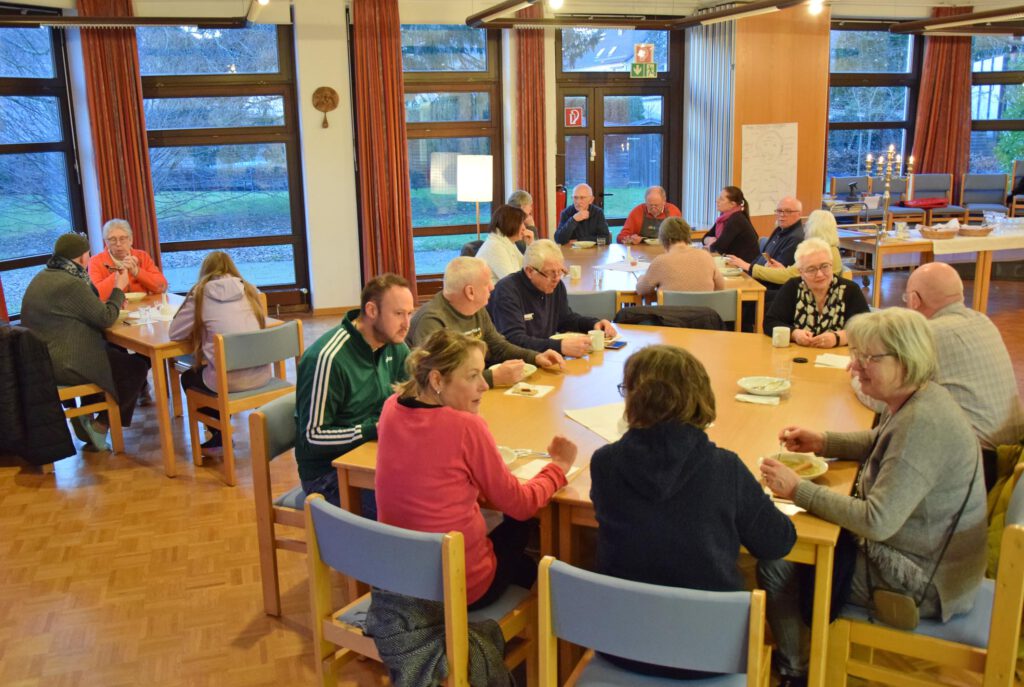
(143, 274)
(643, 220)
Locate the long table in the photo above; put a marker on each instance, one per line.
(819, 398)
(593, 260)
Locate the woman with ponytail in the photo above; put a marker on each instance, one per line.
(733, 234)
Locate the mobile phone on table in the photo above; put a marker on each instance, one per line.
(615, 345)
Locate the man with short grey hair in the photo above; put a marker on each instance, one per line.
(582, 221)
(531, 306)
(462, 306)
(143, 274)
(645, 219)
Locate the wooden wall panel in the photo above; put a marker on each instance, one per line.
(782, 62)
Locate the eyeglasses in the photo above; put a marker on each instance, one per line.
(554, 276)
(825, 268)
(780, 211)
(864, 358)
(622, 389)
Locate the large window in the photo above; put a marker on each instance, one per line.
(40, 197)
(224, 151)
(997, 103)
(452, 108)
(872, 95)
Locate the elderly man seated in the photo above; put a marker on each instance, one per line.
(645, 219)
(143, 274)
(461, 305)
(582, 221)
(531, 305)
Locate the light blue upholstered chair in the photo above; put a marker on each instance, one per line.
(981, 193)
(936, 186)
(418, 564)
(600, 304)
(897, 194)
(720, 632)
(982, 641)
(1017, 202)
(726, 303)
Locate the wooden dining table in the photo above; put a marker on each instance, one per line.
(819, 398)
(595, 277)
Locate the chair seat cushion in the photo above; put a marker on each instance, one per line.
(294, 498)
(512, 597)
(986, 207)
(272, 385)
(602, 673)
(967, 628)
(948, 210)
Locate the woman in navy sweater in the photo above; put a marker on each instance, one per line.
(672, 508)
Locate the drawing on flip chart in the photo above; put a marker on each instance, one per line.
(769, 165)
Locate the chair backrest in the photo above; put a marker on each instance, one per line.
(599, 304)
(262, 346)
(897, 187)
(471, 248)
(399, 560)
(762, 241)
(725, 303)
(984, 188)
(279, 428)
(931, 186)
(840, 186)
(1018, 172)
(680, 628)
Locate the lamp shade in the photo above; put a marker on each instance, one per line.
(474, 178)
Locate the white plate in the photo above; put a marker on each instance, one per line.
(652, 242)
(764, 386)
(585, 244)
(810, 466)
(135, 296)
(507, 454)
(528, 369)
(731, 271)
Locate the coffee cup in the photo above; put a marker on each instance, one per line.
(780, 337)
(596, 339)
(575, 272)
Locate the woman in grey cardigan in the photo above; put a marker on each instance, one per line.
(920, 467)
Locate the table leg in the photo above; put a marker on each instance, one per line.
(876, 287)
(759, 313)
(982, 280)
(819, 619)
(159, 365)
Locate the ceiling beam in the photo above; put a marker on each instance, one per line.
(37, 20)
(969, 19)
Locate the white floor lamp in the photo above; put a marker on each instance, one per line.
(474, 182)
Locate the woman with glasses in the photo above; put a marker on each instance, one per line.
(918, 510)
(732, 233)
(816, 305)
(673, 508)
(499, 251)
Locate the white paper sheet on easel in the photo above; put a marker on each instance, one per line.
(605, 421)
(769, 164)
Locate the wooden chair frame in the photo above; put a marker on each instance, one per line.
(738, 325)
(1016, 206)
(226, 407)
(66, 393)
(329, 632)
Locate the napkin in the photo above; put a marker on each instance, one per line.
(763, 400)
(523, 389)
(624, 266)
(832, 360)
(790, 509)
(529, 470)
(602, 420)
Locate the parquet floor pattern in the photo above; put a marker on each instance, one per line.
(111, 574)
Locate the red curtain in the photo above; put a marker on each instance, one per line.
(114, 90)
(3, 303)
(531, 166)
(942, 137)
(384, 199)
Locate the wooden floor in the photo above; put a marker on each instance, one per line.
(111, 574)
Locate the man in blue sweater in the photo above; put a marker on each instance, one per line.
(531, 306)
(781, 246)
(582, 221)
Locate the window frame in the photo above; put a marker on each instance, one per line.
(1002, 78)
(282, 83)
(55, 87)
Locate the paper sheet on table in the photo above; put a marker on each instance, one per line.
(528, 471)
(523, 389)
(602, 420)
(623, 266)
(762, 400)
(832, 360)
(789, 508)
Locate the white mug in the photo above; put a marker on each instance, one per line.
(596, 339)
(575, 272)
(780, 337)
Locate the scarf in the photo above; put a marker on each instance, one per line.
(716, 230)
(833, 315)
(57, 262)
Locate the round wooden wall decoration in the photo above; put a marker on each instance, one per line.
(325, 99)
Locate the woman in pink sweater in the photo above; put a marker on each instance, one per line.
(682, 267)
(436, 460)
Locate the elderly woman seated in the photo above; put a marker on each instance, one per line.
(820, 224)
(817, 304)
(682, 267)
(918, 510)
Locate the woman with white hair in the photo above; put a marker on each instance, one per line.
(820, 224)
(816, 305)
(917, 515)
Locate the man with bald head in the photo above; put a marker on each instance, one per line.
(582, 221)
(973, 363)
(781, 246)
(645, 219)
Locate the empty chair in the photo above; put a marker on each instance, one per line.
(925, 186)
(417, 564)
(719, 632)
(897, 194)
(725, 303)
(236, 352)
(600, 304)
(982, 641)
(471, 248)
(271, 434)
(1017, 198)
(981, 193)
